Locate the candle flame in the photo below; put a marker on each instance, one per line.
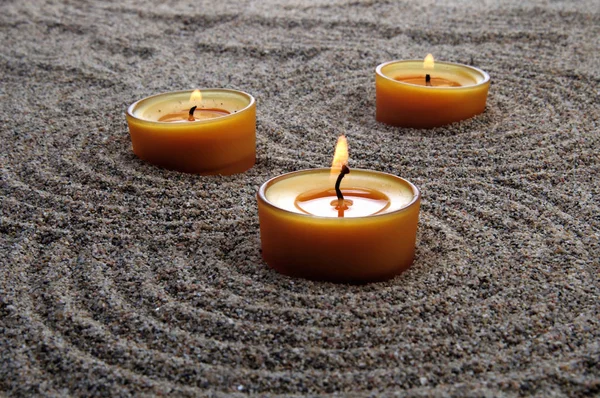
(340, 157)
(196, 96)
(428, 62)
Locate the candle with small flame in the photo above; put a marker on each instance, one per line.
(339, 224)
(425, 94)
(209, 131)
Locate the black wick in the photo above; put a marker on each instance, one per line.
(428, 79)
(338, 192)
(191, 116)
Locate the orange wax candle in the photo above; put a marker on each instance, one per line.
(212, 131)
(305, 232)
(427, 94)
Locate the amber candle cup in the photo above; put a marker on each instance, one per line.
(224, 143)
(404, 104)
(348, 249)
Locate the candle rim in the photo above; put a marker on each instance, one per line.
(132, 107)
(484, 74)
(261, 194)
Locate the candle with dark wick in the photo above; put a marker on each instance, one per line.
(428, 94)
(303, 220)
(208, 132)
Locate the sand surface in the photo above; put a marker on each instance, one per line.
(119, 278)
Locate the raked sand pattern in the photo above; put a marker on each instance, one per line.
(118, 278)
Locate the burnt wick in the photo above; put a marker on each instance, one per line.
(338, 192)
(191, 114)
(428, 79)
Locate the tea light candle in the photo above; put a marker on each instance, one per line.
(425, 94)
(212, 131)
(308, 231)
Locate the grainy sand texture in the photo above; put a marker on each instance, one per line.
(119, 278)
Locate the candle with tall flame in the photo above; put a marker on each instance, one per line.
(338, 224)
(212, 131)
(425, 94)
